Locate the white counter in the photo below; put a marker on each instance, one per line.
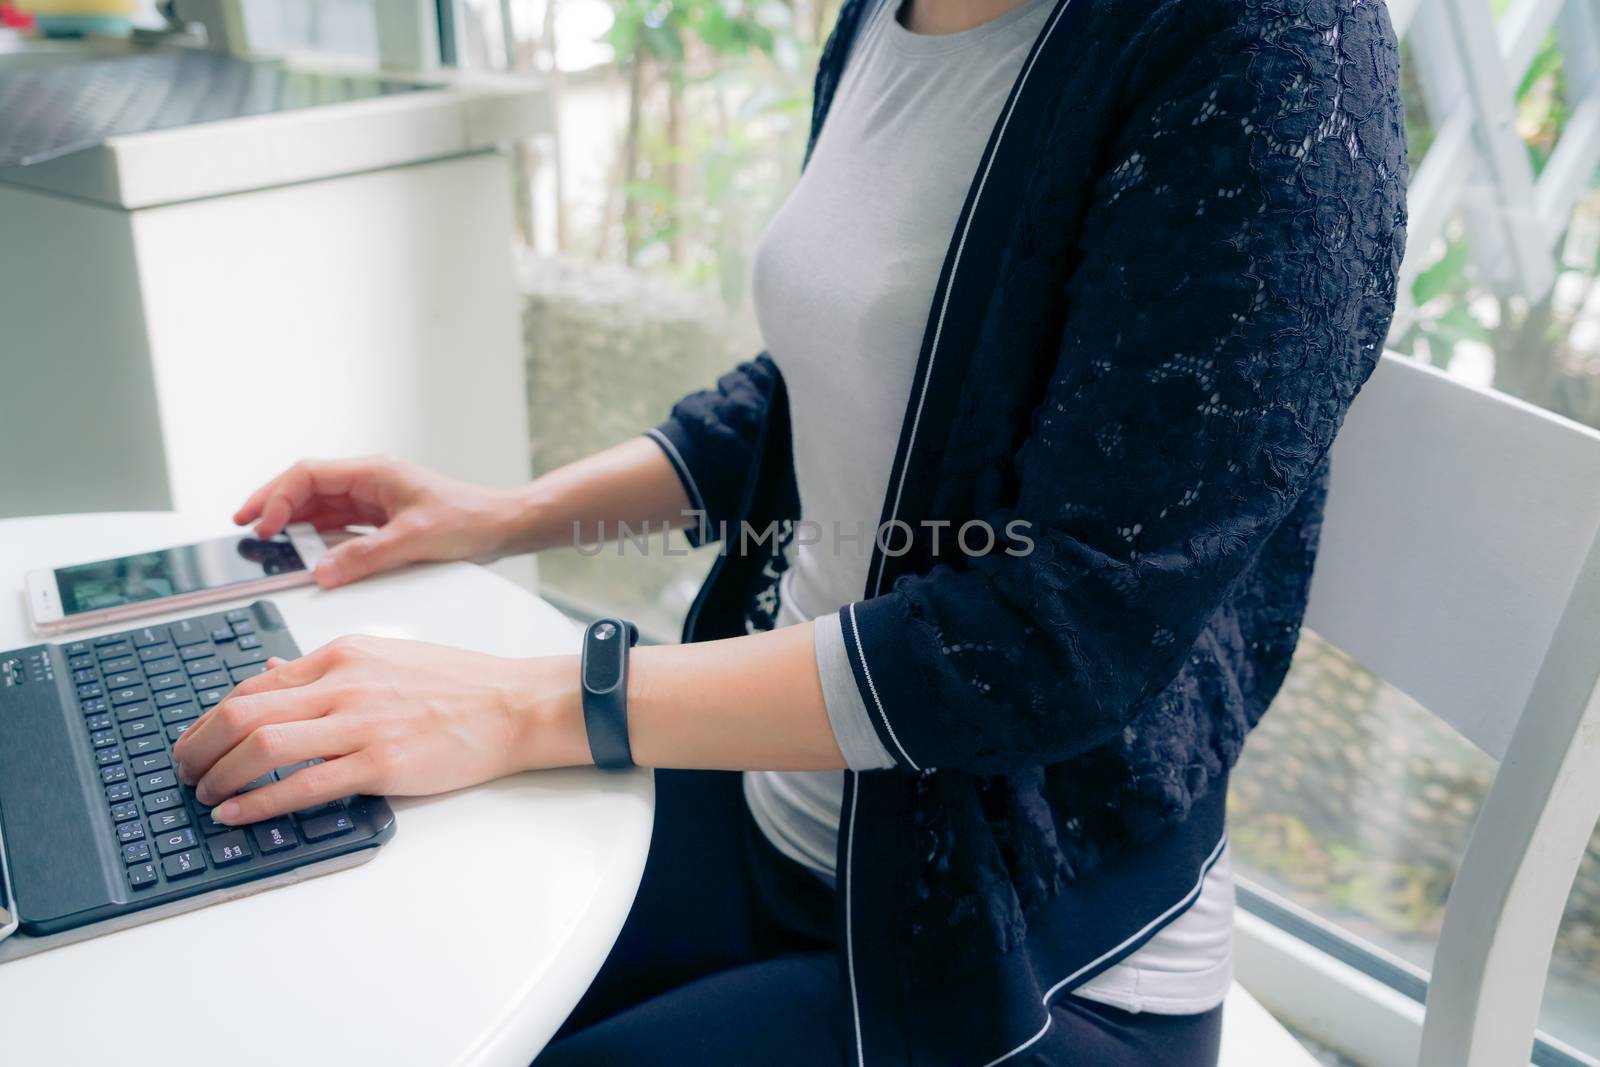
(186, 311)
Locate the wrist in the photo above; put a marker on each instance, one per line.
(528, 519)
(545, 714)
(508, 517)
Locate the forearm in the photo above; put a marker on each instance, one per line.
(632, 482)
(745, 703)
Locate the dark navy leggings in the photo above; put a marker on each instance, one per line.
(728, 958)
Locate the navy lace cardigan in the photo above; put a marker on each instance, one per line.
(1174, 270)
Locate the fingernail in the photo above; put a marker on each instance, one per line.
(202, 792)
(227, 812)
(183, 775)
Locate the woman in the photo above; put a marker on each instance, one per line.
(1063, 316)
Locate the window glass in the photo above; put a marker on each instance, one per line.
(1354, 802)
(345, 30)
(678, 130)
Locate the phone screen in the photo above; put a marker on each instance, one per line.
(112, 583)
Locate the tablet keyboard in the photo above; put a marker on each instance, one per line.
(138, 692)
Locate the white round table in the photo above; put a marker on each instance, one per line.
(465, 940)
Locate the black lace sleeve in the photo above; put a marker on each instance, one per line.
(1236, 283)
(712, 441)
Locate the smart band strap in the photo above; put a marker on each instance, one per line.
(604, 673)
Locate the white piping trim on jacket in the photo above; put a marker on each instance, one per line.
(855, 633)
(850, 852)
(849, 927)
(944, 305)
(688, 476)
(1186, 901)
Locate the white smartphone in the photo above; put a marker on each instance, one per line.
(169, 579)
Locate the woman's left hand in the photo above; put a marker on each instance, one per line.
(387, 717)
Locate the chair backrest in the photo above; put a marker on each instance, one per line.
(1460, 562)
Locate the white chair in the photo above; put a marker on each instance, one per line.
(1460, 562)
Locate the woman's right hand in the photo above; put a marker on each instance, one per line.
(419, 515)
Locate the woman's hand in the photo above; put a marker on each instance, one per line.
(388, 717)
(419, 515)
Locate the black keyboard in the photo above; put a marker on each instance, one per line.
(137, 693)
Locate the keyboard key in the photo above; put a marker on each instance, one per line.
(257, 783)
(122, 679)
(105, 757)
(77, 648)
(239, 674)
(228, 848)
(113, 650)
(124, 811)
(176, 730)
(249, 642)
(170, 697)
(210, 697)
(178, 713)
(140, 745)
(130, 712)
(120, 791)
(149, 636)
(155, 652)
(102, 738)
(86, 692)
(93, 706)
(155, 783)
(175, 841)
(157, 802)
(164, 821)
(151, 761)
(243, 628)
(211, 680)
(274, 836)
(138, 727)
(329, 825)
(187, 632)
(163, 682)
(120, 665)
(183, 864)
(84, 675)
(194, 652)
(142, 875)
(132, 830)
(98, 722)
(222, 634)
(208, 665)
(108, 639)
(114, 773)
(136, 852)
(237, 615)
(209, 826)
(163, 666)
(78, 663)
(129, 695)
(239, 657)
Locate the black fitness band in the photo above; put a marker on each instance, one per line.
(604, 674)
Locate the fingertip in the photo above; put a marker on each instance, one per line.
(328, 574)
(227, 812)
